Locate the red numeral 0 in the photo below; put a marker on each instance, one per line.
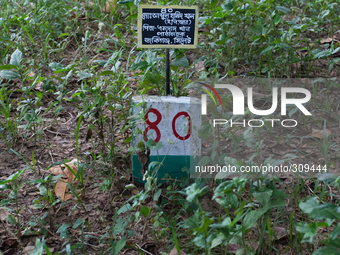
(153, 125)
(174, 126)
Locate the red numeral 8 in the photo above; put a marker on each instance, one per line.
(153, 125)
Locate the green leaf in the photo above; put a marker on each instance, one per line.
(124, 208)
(205, 225)
(250, 220)
(99, 62)
(63, 231)
(39, 247)
(145, 211)
(55, 66)
(14, 176)
(263, 197)
(10, 75)
(309, 231)
(269, 48)
(10, 219)
(84, 75)
(7, 67)
(5, 186)
(180, 62)
(336, 231)
(150, 143)
(256, 29)
(283, 9)
(309, 205)
(119, 227)
(120, 245)
(16, 58)
(78, 223)
(205, 131)
(68, 249)
(276, 19)
(140, 65)
(194, 191)
(5, 202)
(200, 241)
(106, 73)
(325, 211)
(43, 191)
(157, 195)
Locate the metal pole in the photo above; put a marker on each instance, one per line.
(167, 69)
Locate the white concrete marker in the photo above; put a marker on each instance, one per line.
(174, 118)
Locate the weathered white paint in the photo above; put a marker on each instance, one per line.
(168, 107)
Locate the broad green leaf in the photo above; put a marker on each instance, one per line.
(325, 211)
(180, 62)
(218, 240)
(106, 73)
(283, 9)
(140, 65)
(5, 186)
(16, 58)
(324, 13)
(157, 195)
(150, 143)
(335, 233)
(250, 219)
(205, 225)
(263, 197)
(145, 211)
(194, 191)
(309, 205)
(158, 146)
(39, 247)
(84, 75)
(256, 29)
(10, 219)
(10, 75)
(7, 67)
(99, 62)
(63, 231)
(120, 245)
(43, 190)
(276, 19)
(119, 226)
(55, 66)
(78, 223)
(199, 241)
(309, 231)
(269, 48)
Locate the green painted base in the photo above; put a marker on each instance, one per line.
(172, 167)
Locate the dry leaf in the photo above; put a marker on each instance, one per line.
(56, 170)
(174, 252)
(67, 197)
(60, 190)
(109, 6)
(3, 214)
(39, 86)
(61, 187)
(199, 66)
(319, 133)
(329, 40)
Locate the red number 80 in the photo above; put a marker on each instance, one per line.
(153, 125)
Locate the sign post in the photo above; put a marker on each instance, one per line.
(167, 27)
(170, 121)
